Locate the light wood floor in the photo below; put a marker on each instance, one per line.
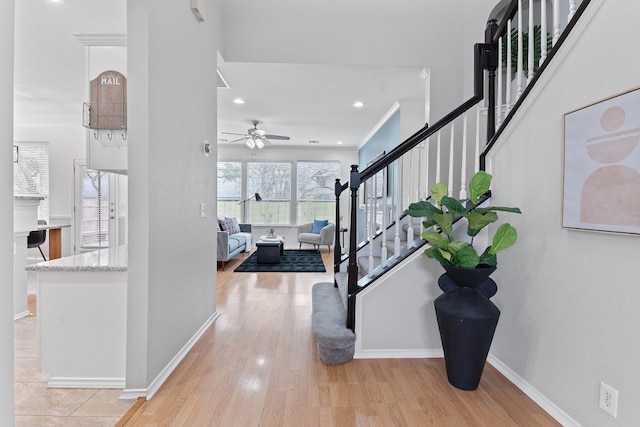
(257, 366)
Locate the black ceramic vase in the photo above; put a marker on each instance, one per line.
(467, 320)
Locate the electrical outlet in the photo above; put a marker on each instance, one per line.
(609, 399)
(203, 210)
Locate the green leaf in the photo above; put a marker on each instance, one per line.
(479, 184)
(429, 252)
(498, 209)
(487, 259)
(428, 224)
(438, 191)
(504, 238)
(466, 256)
(433, 237)
(445, 221)
(453, 205)
(454, 247)
(423, 208)
(443, 257)
(477, 221)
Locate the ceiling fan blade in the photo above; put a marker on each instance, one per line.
(278, 137)
(231, 133)
(240, 139)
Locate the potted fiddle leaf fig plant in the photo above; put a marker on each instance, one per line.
(467, 319)
(461, 253)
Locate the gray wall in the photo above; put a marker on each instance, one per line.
(569, 299)
(6, 213)
(172, 103)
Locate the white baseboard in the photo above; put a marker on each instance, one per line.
(399, 354)
(133, 393)
(546, 404)
(64, 382)
(170, 367)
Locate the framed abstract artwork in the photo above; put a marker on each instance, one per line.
(602, 165)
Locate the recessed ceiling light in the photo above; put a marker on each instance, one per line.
(57, 1)
(238, 101)
(358, 104)
(339, 142)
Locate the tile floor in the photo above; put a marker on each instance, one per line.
(37, 405)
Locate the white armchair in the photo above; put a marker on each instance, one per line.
(324, 237)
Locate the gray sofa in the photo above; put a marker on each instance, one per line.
(234, 244)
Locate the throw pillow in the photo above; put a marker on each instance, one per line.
(318, 225)
(227, 225)
(235, 224)
(220, 219)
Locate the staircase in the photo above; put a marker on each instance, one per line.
(386, 243)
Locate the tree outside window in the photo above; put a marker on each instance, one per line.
(273, 182)
(229, 189)
(316, 196)
(94, 224)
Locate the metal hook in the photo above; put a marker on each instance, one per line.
(95, 134)
(109, 135)
(124, 135)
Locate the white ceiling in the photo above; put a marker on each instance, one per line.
(303, 101)
(312, 102)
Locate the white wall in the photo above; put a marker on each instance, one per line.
(172, 252)
(569, 299)
(6, 213)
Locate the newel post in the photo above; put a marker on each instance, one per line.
(352, 267)
(490, 63)
(337, 249)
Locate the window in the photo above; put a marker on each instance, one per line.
(273, 182)
(315, 193)
(94, 220)
(31, 173)
(229, 189)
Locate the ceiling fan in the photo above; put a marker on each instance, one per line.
(256, 137)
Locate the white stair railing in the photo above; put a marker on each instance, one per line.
(530, 19)
(388, 193)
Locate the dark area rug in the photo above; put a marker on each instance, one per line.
(304, 261)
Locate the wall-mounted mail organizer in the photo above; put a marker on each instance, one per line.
(106, 112)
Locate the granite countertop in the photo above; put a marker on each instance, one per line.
(110, 259)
